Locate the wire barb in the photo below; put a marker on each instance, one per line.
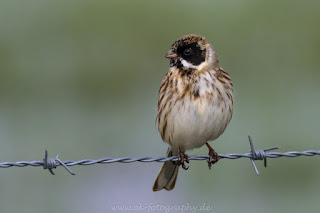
(259, 154)
(53, 163)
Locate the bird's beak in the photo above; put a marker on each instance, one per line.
(170, 54)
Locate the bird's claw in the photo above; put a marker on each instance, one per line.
(181, 157)
(213, 156)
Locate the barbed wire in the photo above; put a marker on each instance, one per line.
(259, 154)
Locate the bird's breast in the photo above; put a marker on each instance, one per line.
(193, 112)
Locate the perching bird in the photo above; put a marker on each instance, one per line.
(195, 104)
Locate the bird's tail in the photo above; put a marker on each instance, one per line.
(167, 176)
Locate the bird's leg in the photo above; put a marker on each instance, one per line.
(213, 155)
(182, 156)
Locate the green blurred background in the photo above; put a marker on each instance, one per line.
(81, 79)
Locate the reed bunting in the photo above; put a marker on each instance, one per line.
(195, 104)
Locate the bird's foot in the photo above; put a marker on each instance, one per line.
(182, 156)
(213, 156)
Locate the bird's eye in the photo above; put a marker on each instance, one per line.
(188, 51)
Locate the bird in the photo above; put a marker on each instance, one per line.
(195, 104)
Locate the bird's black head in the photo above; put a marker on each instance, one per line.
(187, 52)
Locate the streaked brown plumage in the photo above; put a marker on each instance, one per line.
(195, 103)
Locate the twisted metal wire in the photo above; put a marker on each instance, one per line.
(253, 155)
(106, 160)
